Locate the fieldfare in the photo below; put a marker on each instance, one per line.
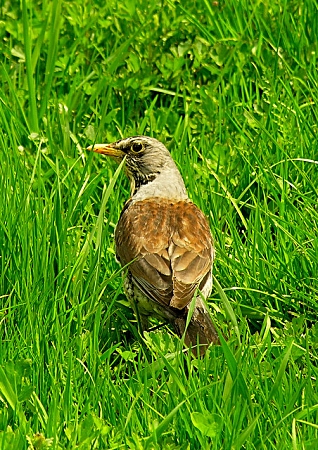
(165, 240)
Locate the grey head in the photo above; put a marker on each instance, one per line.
(149, 166)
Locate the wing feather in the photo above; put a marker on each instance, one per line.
(169, 246)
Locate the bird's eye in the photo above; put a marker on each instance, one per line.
(136, 147)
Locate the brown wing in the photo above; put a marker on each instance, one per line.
(169, 247)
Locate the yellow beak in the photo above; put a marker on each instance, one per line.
(107, 149)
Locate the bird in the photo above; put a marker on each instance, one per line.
(164, 241)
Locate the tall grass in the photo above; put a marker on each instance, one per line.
(231, 89)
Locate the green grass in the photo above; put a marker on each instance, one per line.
(231, 88)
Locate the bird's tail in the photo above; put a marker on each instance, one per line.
(200, 329)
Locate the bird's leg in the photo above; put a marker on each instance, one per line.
(142, 320)
(130, 291)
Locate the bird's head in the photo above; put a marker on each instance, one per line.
(146, 157)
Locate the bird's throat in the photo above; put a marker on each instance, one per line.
(137, 182)
(167, 184)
